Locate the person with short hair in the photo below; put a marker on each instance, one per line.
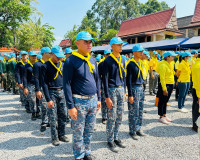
(82, 93)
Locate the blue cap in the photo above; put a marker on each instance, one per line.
(6, 55)
(137, 47)
(106, 51)
(155, 52)
(132, 56)
(169, 53)
(98, 58)
(199, 50)
(146, 53)
(45, 50)
(159, 56)
(68, 50)
(58, 51)
(1, 58)
(187, 54)
(194, 52)
(23, 52)
(32, 53)
(19, 56)
(116, 40)
(177, 52)
(39, 56)
(12, 55)
(85, 36)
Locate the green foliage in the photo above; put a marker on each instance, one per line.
(12, 13)
(107, 16)
(33, 35)
(109, 34)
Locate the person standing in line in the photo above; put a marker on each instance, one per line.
(45, 51)
(82, 93)
(114, 88)
(5, 72)
(196, 93)
(29, 85)
(135, 81)
(68, 52)
(19, 72)
(52, 85)
(166, 85)
(104, 108)
(153, 77)
(183, 74)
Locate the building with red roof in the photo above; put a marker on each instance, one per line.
(195, 22)
(66, 43)
(151, 27)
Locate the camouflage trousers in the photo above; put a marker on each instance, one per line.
(114, 117)
(104, 108)
(5, 77)
(11, 83)
(136, 109)
(22, 97)
(31, 99)
(83, 127)
(43, 105)
(57, 113)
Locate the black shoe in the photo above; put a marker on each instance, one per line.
(119, 143)
(38, 116)
(28, 111)
(112, 146)
(134, 136)
(67, 120)
(33, 117)
(55, 142)
(4, 90)
(139, 133)
(48, 125)
(88, 157)
(64, 139)
(43, 127)
(195, 129)
(104, 121)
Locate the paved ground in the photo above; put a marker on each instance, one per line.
(20, 137)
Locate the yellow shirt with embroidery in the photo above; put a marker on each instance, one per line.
(196, 77)
(153, 63)
(185, 72)
(166, 74)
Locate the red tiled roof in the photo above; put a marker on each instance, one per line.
(66, 42)
(196, 17)
(151, 22)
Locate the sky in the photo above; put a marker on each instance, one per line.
(64, 14)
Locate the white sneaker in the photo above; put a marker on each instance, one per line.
(163, 120)
(168, 119)
(183, 110)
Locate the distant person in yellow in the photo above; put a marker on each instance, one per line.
(183, 74)
(196, 92)
(165, 86)
(153, 78)
(193, 59)
(145, 68)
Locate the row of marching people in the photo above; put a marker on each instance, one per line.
(73, 85)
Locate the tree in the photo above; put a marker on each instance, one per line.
(34, 35)
(12, 13)
(109, 34)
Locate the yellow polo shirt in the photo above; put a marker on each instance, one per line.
(184, 67)
(145, 69)
(192, 62)
(196, 76)
(176, 65)
(153, 63)
(166, 74)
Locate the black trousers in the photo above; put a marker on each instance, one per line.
(176, 86)
(195, 108)
(162, 104)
